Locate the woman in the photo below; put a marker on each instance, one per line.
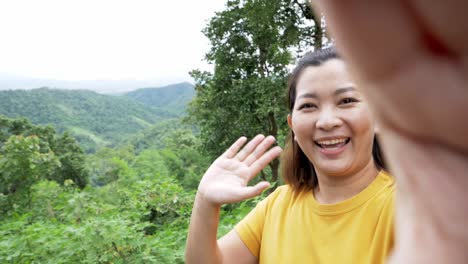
(337, 206)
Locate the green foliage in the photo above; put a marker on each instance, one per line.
(72, 161)
(231, 214)
(97, 120)
(70, 157)
(167, 149)
(100, 225)
(107, 165)
(136, 210)
(23, 162)
(172, 98)
(183, 158)
(155, 136)
(150, 163)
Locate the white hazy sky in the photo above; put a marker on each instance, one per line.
(104, 39)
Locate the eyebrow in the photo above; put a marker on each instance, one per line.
(344, 90)
(308, 95)
(337, 92)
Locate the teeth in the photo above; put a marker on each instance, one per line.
(331, 142)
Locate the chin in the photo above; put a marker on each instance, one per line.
(335, 171)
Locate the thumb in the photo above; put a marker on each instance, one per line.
(252, 191)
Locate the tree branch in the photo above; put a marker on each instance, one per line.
(306, 12)
(118, 251)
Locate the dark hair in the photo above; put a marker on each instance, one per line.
(296, 168)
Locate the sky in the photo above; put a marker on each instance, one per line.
(104, 39)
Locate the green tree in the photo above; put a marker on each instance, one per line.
(150, 163)
(253, 43)
(72, 160)
(183, 159)
(24, 162)
(107, 165)
(64, 147)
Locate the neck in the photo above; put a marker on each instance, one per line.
(334, 189)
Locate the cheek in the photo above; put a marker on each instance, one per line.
(361, 120)
(302, 125)
(363, 127)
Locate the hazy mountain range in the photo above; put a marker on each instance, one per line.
(16, 82)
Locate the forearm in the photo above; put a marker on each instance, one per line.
(202, 245)
(424, 239)
(431, 201)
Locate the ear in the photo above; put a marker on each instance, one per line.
(290, 125)
(290, 121)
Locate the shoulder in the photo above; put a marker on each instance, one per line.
(386, 196)
(279, 196)
(387, 183)
(283, 197)
(282, 192)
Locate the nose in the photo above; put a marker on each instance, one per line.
(328, 119)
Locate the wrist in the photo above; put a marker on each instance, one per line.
(202, 201)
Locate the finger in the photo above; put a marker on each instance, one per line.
(252, 191)
(259, 150)
(234, 148)
(376, 38)
(446, 21)
(263, 161)
(245, 151)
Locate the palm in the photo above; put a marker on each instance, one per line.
(226, 177)
(226, 180)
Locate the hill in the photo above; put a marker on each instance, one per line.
(17, 82)
(172, 98)
(94, 119)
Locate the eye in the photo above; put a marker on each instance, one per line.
(348, 100)
(307, 106)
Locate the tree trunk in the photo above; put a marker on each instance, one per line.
(273, 126)
(318, 32)
(308, 13)
(274, 165)
(262, 175)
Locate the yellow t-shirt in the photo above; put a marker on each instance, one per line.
(294, 228)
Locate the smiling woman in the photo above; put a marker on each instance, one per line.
(325, 99)
(337, 206)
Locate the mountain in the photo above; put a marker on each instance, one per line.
(94, 119)
(172, 98)
(16, 82)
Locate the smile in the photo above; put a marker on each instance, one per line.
(331, 148)
(332, 143)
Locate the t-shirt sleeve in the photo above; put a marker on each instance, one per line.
(250, 229)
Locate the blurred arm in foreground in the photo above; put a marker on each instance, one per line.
(411, 58)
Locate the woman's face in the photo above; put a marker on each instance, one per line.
(331, 120)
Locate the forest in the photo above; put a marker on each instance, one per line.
(92, 178)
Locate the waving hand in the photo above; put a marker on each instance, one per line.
(226, 180)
